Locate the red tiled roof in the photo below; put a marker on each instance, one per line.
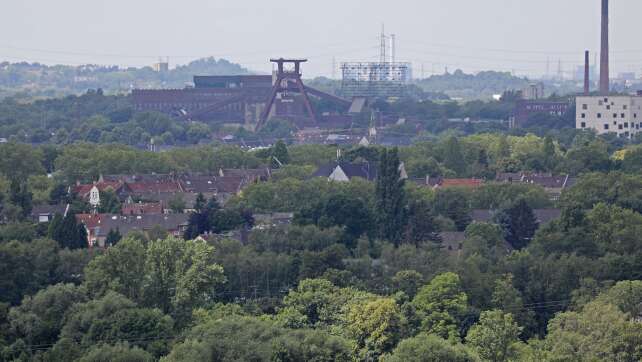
(90, 220)
(102, 186)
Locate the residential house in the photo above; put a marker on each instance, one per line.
(45, 213)
(222, 187)
(91, 192)
(99, 225)
(346, 171)
(437, 182)
(142, 208)
(543, 216)
(553, 185)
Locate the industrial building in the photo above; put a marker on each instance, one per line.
(618, 114)
(250, 100)
(621, 115)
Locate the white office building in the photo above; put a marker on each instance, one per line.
(610, 114)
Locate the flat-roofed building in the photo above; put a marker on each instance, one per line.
(621, 115)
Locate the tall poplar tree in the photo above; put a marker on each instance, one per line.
(390, 197)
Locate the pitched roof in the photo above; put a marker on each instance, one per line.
(213, 184)
(461, 182)
(103, 223)
(452, 241)
(545, 180)
(158, 186)
(48, 209)
(365, 170)
(141, 208)
(84, 189)
(543, 216)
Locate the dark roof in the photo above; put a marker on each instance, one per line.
(126, 224)
(48, 209)
(213, 184)
(543, 216)
(545, 180)
(452, 241)
(165, 197)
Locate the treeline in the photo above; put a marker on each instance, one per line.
(98, 118)
(18, 79)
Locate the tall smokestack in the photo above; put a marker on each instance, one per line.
(587, 85)
(604, 55)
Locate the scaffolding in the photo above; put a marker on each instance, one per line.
(375, 79)
(383, 79)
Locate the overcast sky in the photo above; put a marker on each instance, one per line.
(513, 35)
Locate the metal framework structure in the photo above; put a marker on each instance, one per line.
(386, 78)
(287, 80)
(375, 79)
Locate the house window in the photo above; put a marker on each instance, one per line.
(624, 106)
(622, 115)
(619, 126)
(606, 126)
(626, 124)
(635, 115)
(626, 134)
(583, 115)
(584, 106)
(608, 107)
(614, 115)
(606, 100)
(599, 115)
(583, 124)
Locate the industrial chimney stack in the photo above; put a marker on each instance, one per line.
(587, 84)
(604, 55)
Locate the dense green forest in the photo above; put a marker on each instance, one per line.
(361, 274)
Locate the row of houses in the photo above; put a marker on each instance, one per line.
(157, 190)
(554, 185)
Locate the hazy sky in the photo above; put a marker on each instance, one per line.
(514, 35)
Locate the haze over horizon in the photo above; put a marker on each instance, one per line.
(525, 37)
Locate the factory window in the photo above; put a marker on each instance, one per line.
(583, 115)
(584, 106)
(599, 115)
(606, 126)
(583, 124)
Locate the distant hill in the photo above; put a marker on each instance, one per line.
(39, 80)
(472, 86)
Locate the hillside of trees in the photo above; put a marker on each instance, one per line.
(25, 80)
(362, 273)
